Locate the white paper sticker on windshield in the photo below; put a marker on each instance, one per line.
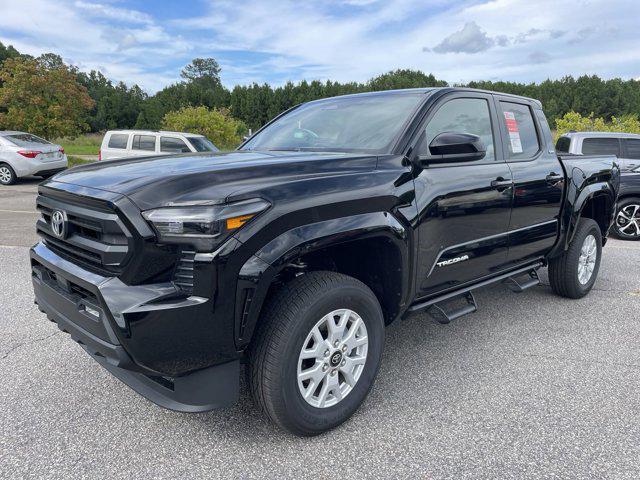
(514, 132)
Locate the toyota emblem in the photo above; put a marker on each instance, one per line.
(59, 224)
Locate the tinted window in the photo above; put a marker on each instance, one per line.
(601, 146)
(463, 115)
(633, 148)
(367, 123)
(24, 139)
(563, 144)
(144, 142)
(173, 145)
(522, 137)
(118, 140)
(202, 144)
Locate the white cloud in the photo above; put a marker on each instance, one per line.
(344, 40)
(471, 39)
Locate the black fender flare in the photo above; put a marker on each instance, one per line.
(581, 190)
(260, 270)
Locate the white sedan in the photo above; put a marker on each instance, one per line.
(23, 154)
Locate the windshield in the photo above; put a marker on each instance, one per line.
(367, 124)
(202, 144)
(25, 139)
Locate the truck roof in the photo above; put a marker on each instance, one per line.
(428, 90)
(185, 134)
(600, 134)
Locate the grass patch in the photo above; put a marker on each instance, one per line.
(75, 161)
(88, 144)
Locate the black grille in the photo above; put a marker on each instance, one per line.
(95, 235)
(183, 274)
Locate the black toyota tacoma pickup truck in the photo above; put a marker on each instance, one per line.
(291, 254)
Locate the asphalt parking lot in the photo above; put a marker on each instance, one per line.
(531, 385)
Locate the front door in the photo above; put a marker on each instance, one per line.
(463, 207)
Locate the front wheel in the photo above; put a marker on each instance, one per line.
(317, 352)
(573, 273)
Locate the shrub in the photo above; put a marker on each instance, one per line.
(574, 121)
(216, 124)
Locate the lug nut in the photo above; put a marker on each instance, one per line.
(333, 373)
(344, 348)
(325, 367)
(343, 363)
(326, 353)
(336, 343)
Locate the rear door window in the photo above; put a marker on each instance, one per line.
(601, 146)
(633, 148)
(144, 142)
(118, 140)
(522, 140)
(173, 145)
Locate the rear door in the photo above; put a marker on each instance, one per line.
(537, 175)
(143, 145)
(463, 207)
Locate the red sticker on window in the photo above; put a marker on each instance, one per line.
(510, 119)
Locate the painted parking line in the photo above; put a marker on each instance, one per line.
(20, 211)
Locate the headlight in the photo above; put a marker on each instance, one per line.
(203, 226)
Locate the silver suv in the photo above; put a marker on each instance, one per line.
(626, 146)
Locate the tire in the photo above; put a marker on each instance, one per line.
(566, 275)
(286, 327)
(7, 174)
(627, 222)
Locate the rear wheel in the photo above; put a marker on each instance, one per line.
(573, 273)
(627, 224)
(7, 175)
(317, 352)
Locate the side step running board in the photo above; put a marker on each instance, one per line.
(520, 286)
(438, 312)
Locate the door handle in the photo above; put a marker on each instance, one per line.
(554, 178)
(502, 183)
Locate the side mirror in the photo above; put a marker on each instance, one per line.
(454, 147)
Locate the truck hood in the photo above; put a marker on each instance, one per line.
(152, 182)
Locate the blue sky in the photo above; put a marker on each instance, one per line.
(148, 42)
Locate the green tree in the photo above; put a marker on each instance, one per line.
(216, 124)
(46, 102)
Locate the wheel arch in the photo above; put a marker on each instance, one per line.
(373, 248)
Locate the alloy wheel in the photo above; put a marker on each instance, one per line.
(332, 358)
(587, 259)
(5, 175)
(628, 220)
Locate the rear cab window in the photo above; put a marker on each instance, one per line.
(118, 140)
(144, 142)
(601, 146)
(563, 145)
(522, 140)
(633, 148)
(173, 145)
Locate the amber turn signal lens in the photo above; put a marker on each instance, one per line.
(237, 222)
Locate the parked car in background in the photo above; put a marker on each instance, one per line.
(625, 146)
(627, 224)
(23, 154)
(144, 143)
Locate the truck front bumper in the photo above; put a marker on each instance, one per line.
(93, 310)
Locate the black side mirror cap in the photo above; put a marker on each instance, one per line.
(449, 147)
